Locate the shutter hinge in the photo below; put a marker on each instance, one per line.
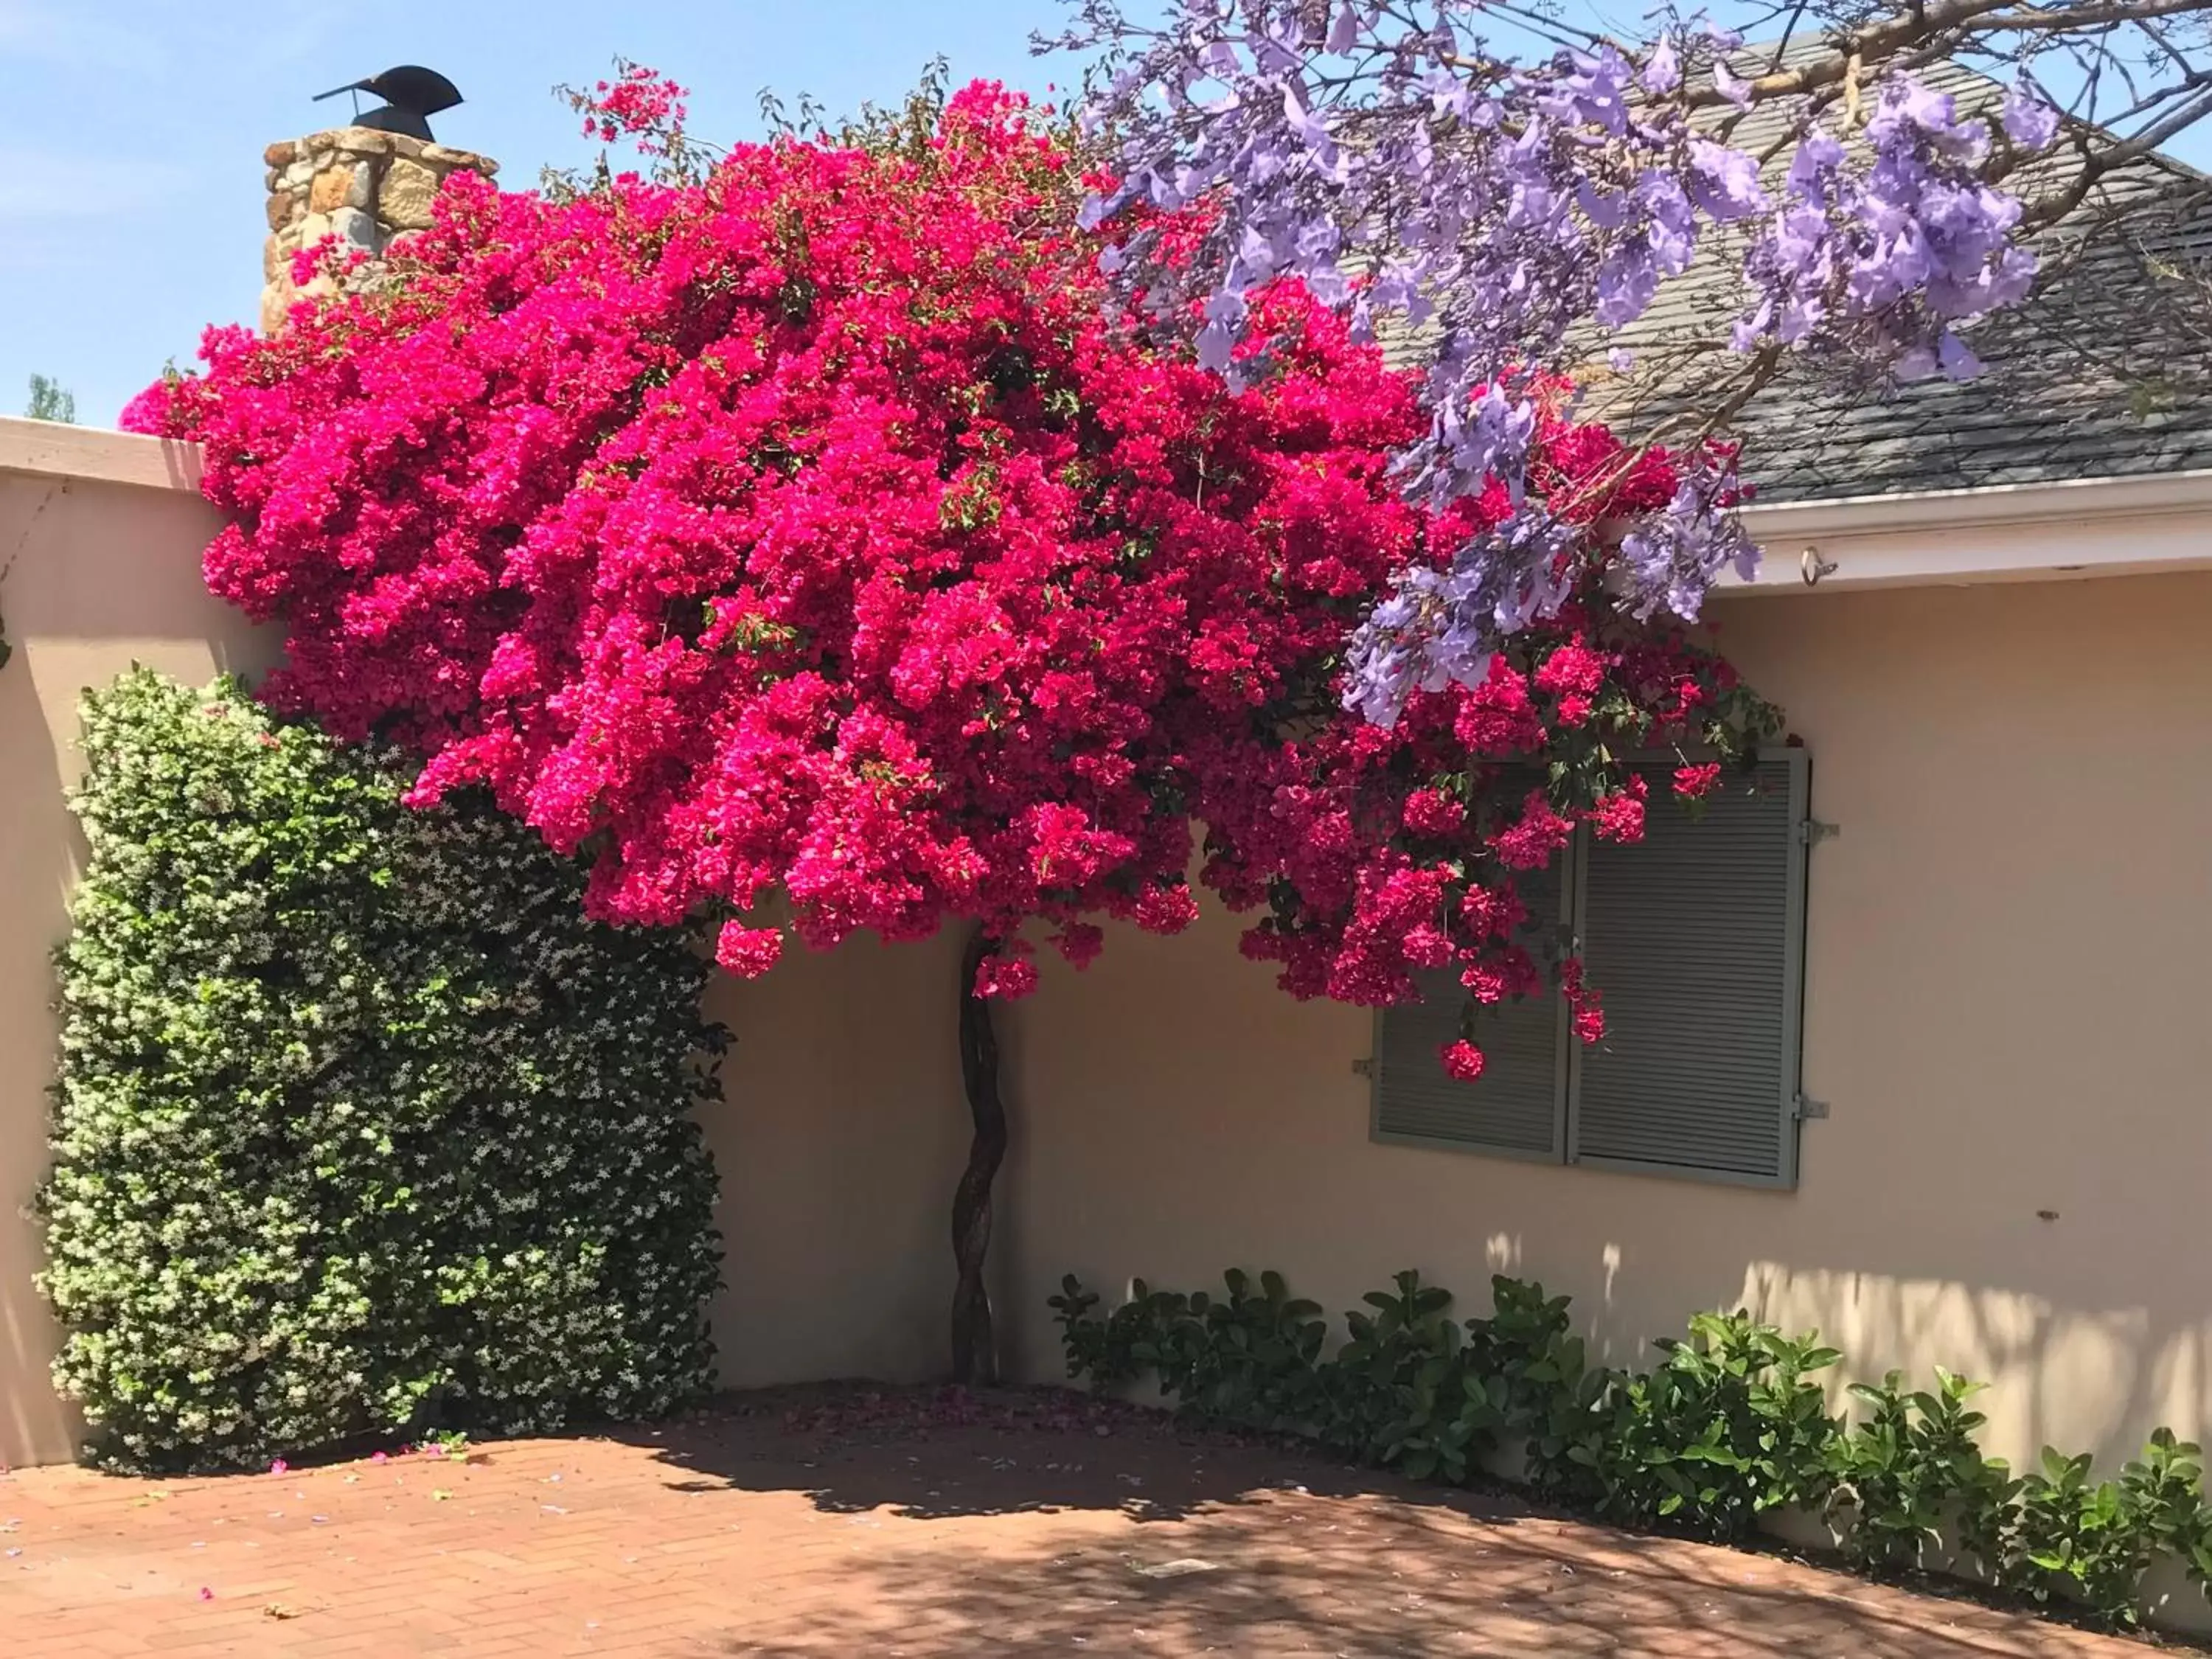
(1812, 831)
(1803, 1106)
(1363, 1067)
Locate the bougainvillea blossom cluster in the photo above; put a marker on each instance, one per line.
(638, 101)
(810, 548)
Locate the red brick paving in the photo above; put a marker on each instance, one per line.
(885, 1529)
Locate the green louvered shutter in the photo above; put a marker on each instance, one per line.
(1517, 1108)
(1694, 938)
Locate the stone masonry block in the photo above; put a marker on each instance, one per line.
(404, 200)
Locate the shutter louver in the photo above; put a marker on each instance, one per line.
(1691, 938)
(1518, 1106)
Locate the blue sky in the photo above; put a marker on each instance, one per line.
(131, 131)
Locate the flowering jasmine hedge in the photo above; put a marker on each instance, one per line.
(361, 1127)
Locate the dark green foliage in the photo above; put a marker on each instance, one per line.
(2076, 1540)
(361, 1128)
(1910, 1475)
(1729, 1427)
(1244, 1359)
(1732, 1423)
(1394, 1393)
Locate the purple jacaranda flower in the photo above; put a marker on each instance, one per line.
(2028, 121)
(1723, 182)
(1504, 207)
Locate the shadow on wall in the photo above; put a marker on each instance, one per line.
(841, 1133)
(100, 574)
(2081, 1379)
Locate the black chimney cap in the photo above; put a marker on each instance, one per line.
(411, 94)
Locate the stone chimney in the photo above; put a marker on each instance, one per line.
(369, 188)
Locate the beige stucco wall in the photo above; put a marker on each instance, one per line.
(842, 1133)
(2005, 1011)
(2005, 975)
(101, 537)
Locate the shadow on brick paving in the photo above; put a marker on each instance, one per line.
(1357, 1597)
(1188, 1541)
(913, 1524)
(929, 1453)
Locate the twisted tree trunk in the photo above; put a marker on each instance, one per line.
(975, 1353)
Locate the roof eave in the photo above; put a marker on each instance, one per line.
(2076, 528)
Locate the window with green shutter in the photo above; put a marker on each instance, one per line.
(1519, 1108)
(1695, 938)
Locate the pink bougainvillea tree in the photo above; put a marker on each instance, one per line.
(809, 545)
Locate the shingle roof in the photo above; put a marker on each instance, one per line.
(2080, 383)
(2089, 378)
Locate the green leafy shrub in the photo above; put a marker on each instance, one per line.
(1244, 1359)
(1395, 1394)
(2091, 1542)
(1731, 1425)
(1911, 1474)
(361, 1126)
(1240, 1358)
